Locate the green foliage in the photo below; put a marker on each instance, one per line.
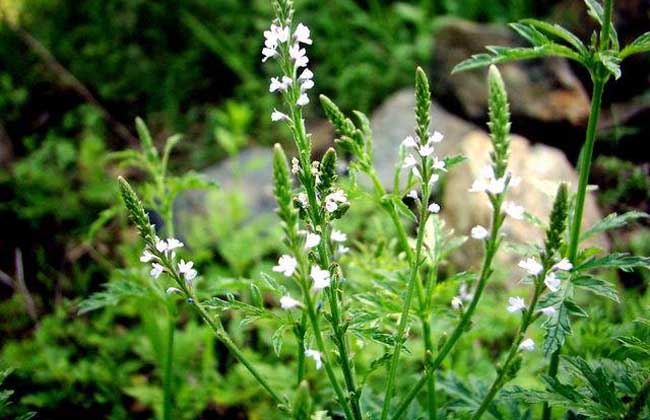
(499, 111)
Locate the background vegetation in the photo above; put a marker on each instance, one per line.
(73, 77)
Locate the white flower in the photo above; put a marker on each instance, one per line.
(302, 199)
(513, 210)
(438, 164)
(412, 194)
(527, 345)
(516, 304)
(311, 240)
(306, 85)
(173, 243)
(147, 256)
(564, 265)
(286, 265)
(332, 200)
(456, 303)
(425, 150)
(464, 294)
(409, 162)
(306, 75)
(316, 355)
(268, 53)
(479, 185)
(184, 267)
(416, 173)
(338, 236)
(320, 277)
(342, 249)
(298, 55)
(161, 245)
(434, 208)
(287, 302)
(303, 100)
(548, 311)
(277, 85)
(156, 270)
(278, 116)
(497, 186)
(436, 137)
(434, 178)
(295, 165)
(190, 275)
(479, 232)
(552, 282)
(531, 266)
(302, 34)
(409, 141)
(173, 290)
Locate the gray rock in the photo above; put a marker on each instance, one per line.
(540, 168)
(544, 90)
(248, 176)
(395, 119)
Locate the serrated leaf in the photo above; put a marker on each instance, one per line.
(402, 208)
(639, 45)
(613, 221)
(498, 55)
(451, 161)
(621, 261)
(559, 32)
(557, 327)
(278, 339)
(597, 286)
(574, 309)
(612, 62)
(114, 292)
(596, 11)
(635, 343)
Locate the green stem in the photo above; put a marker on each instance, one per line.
(224, 337)
(639, 401)
(586, 156)
(500, 381)
(412, 285)
(491, 248)
(426, 328)
(313, 317)
(167, 369)
(301, 348)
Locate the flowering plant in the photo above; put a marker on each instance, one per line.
(331, 318)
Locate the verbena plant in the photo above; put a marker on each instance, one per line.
(330, 317)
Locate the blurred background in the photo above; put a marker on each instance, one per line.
(75, 74)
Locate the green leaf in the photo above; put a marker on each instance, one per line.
(635, 343)
(639, 45)
(621, 261)
(596, 11)
(401, 207)
(559, 32)
(613, 221)
(597, 286)
(499, 55)
(612, 62)
(557, 327)
(114, 292)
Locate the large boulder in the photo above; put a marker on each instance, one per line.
(540, 167)
(541, 90)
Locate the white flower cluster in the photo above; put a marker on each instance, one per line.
(278, 39)
(552, 282)
(165, 250)
(425, 149)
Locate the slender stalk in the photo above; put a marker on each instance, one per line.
(585, 167)
(413, 281)
(313, 317)
(491, 248)
(639, 401)
(301, 349)
(500, 380)
(423, 297)
(223, 336)
(167, 369)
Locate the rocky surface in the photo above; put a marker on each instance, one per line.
(542, 90)
(540, 168)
